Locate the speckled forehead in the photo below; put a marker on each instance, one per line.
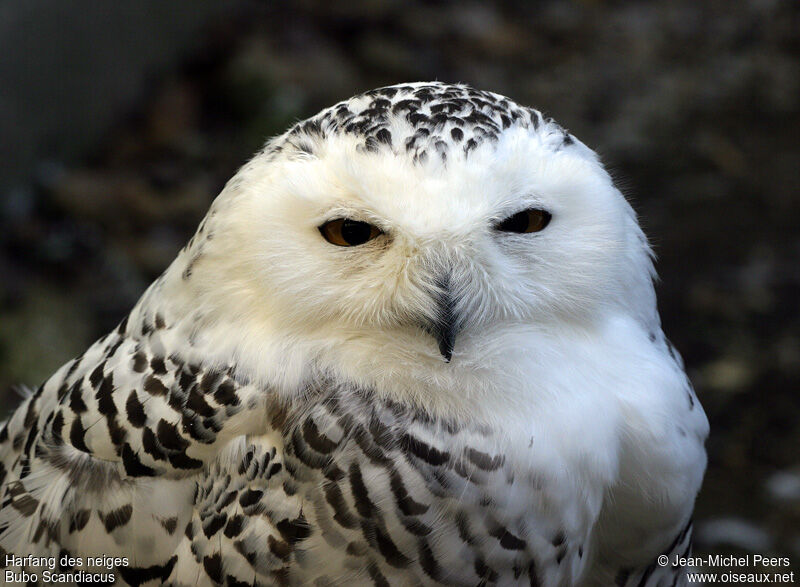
(424, 120)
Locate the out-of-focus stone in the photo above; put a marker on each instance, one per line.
(736, 532)
(728, 374)
(784, 485)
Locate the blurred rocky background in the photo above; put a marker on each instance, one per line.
(120, 122)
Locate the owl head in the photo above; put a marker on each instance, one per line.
(420, 227)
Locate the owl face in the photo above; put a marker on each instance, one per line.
(425, 258)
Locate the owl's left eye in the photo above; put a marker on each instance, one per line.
(531, 220)
(344, 232)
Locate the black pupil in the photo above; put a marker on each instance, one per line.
(355, 233)
(516, 223)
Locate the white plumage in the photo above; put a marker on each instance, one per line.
(477, 390)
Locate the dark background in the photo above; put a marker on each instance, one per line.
(120, 122)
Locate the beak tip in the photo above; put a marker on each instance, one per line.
(444, 326)
(446, 351)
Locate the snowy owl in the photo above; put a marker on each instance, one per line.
(414, 342)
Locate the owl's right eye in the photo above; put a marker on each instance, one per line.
(344, 232)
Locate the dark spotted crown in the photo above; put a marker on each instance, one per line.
(422, 119)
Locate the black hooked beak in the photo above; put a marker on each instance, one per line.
(446, 325)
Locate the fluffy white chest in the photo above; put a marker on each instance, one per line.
(571, 473)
